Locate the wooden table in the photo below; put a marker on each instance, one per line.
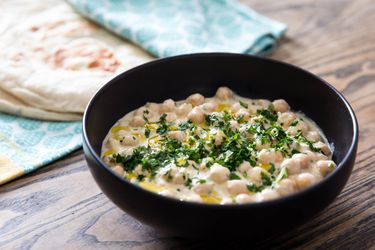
(60, 206)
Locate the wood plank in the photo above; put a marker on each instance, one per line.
(60, 206)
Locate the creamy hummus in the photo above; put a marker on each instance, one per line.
(224, 149)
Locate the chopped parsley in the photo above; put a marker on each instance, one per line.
(199, 146)
(233, 176)
(294, 123)
(243, 104)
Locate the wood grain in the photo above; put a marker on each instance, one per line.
(60, 206)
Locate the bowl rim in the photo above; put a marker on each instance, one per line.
(295, 195)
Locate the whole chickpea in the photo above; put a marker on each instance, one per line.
(244, 113)
(302, 159)
(155, 107)
(325, 167)
(237, 187)
(255, 175)
(286, 186)
(224, 93)
(168, 106)
(267, 156)
(196, 115)
(304, 180)
(170, 117)
(269, 194)
(179, 135)
(324, 147)
(219, 173)
(167, 193)
(280, 105)
(313, 136)
(235, 107)
(203, 188)
(184, 109)
(244, 167)
(118, 170)
(245, 198)
(195, 99)
(292, 166)
(219, 136)
(209, 107)
(137, 121)
(285, 119)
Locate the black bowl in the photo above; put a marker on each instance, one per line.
(249, 76)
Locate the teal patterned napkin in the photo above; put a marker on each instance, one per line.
(172, 27)
(27, 144)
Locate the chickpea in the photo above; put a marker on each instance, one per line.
(255, 175)
(179, 135)
(302, 159)
(193, 198)
(245, 198)
(219, 173)
(281, 105)
(237, 187)
(234, 125)
(224, 93)
(286, 186)
(167, 193)
(226, 200)
(196, 115)
(170, 117)
(324, 147)
(269, 194)
(252, 109)
(325, 167)
(129, 140)
(203, 188)
(313, 136)
(154, 107)
(140, 111)
(168, 106)
(209, 107)
(118, 170)
(292, 166)
(244, 167)
(195, 99)
(235, 107)
(178, 178)
(219, 136)
(243, 112)
(304, 180)
(267, 156)
(285, 119)
(184, 109)
(263, 103)
(137, 121)
(303, 126)
(320, 156)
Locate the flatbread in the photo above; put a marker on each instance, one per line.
(52, 60)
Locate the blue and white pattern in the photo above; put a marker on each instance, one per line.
(31, 143)
(173, 27)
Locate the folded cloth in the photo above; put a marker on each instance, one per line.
(172, 27)
(27, 144)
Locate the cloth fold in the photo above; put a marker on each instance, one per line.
(27, 144)
(173, 27)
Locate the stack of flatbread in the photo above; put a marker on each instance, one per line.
(52, 60)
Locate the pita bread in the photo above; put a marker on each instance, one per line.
(53, 60)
